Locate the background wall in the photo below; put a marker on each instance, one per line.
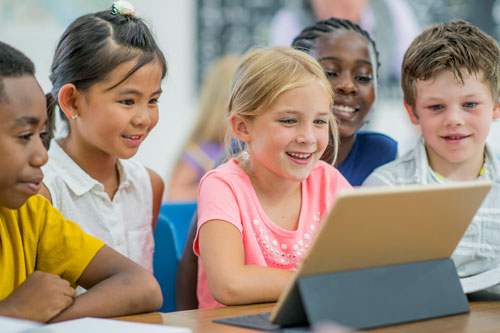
(34, 26)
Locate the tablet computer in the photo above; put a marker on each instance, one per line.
(384, 226)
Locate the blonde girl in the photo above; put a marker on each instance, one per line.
(259, 212)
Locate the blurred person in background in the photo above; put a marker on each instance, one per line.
(206, 142)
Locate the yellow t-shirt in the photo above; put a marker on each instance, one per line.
(37, 237)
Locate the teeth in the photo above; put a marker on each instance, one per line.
(297, 155)
(455, 137)
(344, 108)
(133, 137)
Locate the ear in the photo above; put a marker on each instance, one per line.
(413, 117)
(239, 125)
(68, 100)
(496, 112)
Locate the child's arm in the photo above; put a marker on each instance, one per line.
(230, 280)
(116, 287)
(187, 272)
(40, 297)
(158, 186)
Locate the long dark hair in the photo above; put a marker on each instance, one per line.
(93, 46)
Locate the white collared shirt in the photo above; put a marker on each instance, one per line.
(477, 256)
(124, 222)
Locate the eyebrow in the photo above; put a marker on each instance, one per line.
(136, 92)
(23, 121)
(292, 112)
(338, 59)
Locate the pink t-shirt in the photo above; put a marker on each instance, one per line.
(227, 194)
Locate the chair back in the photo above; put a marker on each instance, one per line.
(180, 215)
(165, 261)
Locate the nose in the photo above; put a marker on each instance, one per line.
(39, 154)
(454, 117)
(345, 85)
(306, 134)
(144, 116)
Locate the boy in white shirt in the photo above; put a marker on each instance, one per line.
(450, 82)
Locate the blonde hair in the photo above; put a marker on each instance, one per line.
(266, 73)
(455, 46)
(214, 94)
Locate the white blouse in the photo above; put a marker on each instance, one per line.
(124, 223)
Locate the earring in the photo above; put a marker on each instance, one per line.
(244, 155)
(75, 116)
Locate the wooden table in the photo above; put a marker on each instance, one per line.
(484, 317)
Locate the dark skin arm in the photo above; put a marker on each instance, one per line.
(39, 298)
(187, 272)
(116, 286)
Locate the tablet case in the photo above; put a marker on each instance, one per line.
(396, 280)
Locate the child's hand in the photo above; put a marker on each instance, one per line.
(40, 297)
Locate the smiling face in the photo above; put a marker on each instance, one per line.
(346, 58)
(116, 120)
(455, 119)
(22, 126)
(291, 134)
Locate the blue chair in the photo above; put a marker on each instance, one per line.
(180, 215)
(165, 261)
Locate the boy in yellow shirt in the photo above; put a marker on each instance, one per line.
(42, 255)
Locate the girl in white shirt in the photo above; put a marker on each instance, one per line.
(106, 76)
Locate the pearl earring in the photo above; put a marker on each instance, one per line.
(244, 155)
(75, 116)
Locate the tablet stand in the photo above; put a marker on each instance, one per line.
(380, 296)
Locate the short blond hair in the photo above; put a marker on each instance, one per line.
(266, 73)
(455, 46)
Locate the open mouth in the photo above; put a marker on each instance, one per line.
(302, 156)
(455, 137)
(344, 108)
(132, 137)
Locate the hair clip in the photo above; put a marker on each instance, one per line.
(122, 7)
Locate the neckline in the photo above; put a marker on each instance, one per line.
(270, 223)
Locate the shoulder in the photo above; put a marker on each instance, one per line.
(394, 172)
(228, 179)
(156, 183)
(325, 174)
(136, 172)
(36, 212)
(374, 140)
(229, 171)
(37, 203)
(156, 180)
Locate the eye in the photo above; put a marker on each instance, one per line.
(26, 137)
(331, 74)
(288, 121)
(320, 122)
(470, 105)
(364, 78)
(436, 107)
(154, 101)
(127, 102)
(44, 134)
